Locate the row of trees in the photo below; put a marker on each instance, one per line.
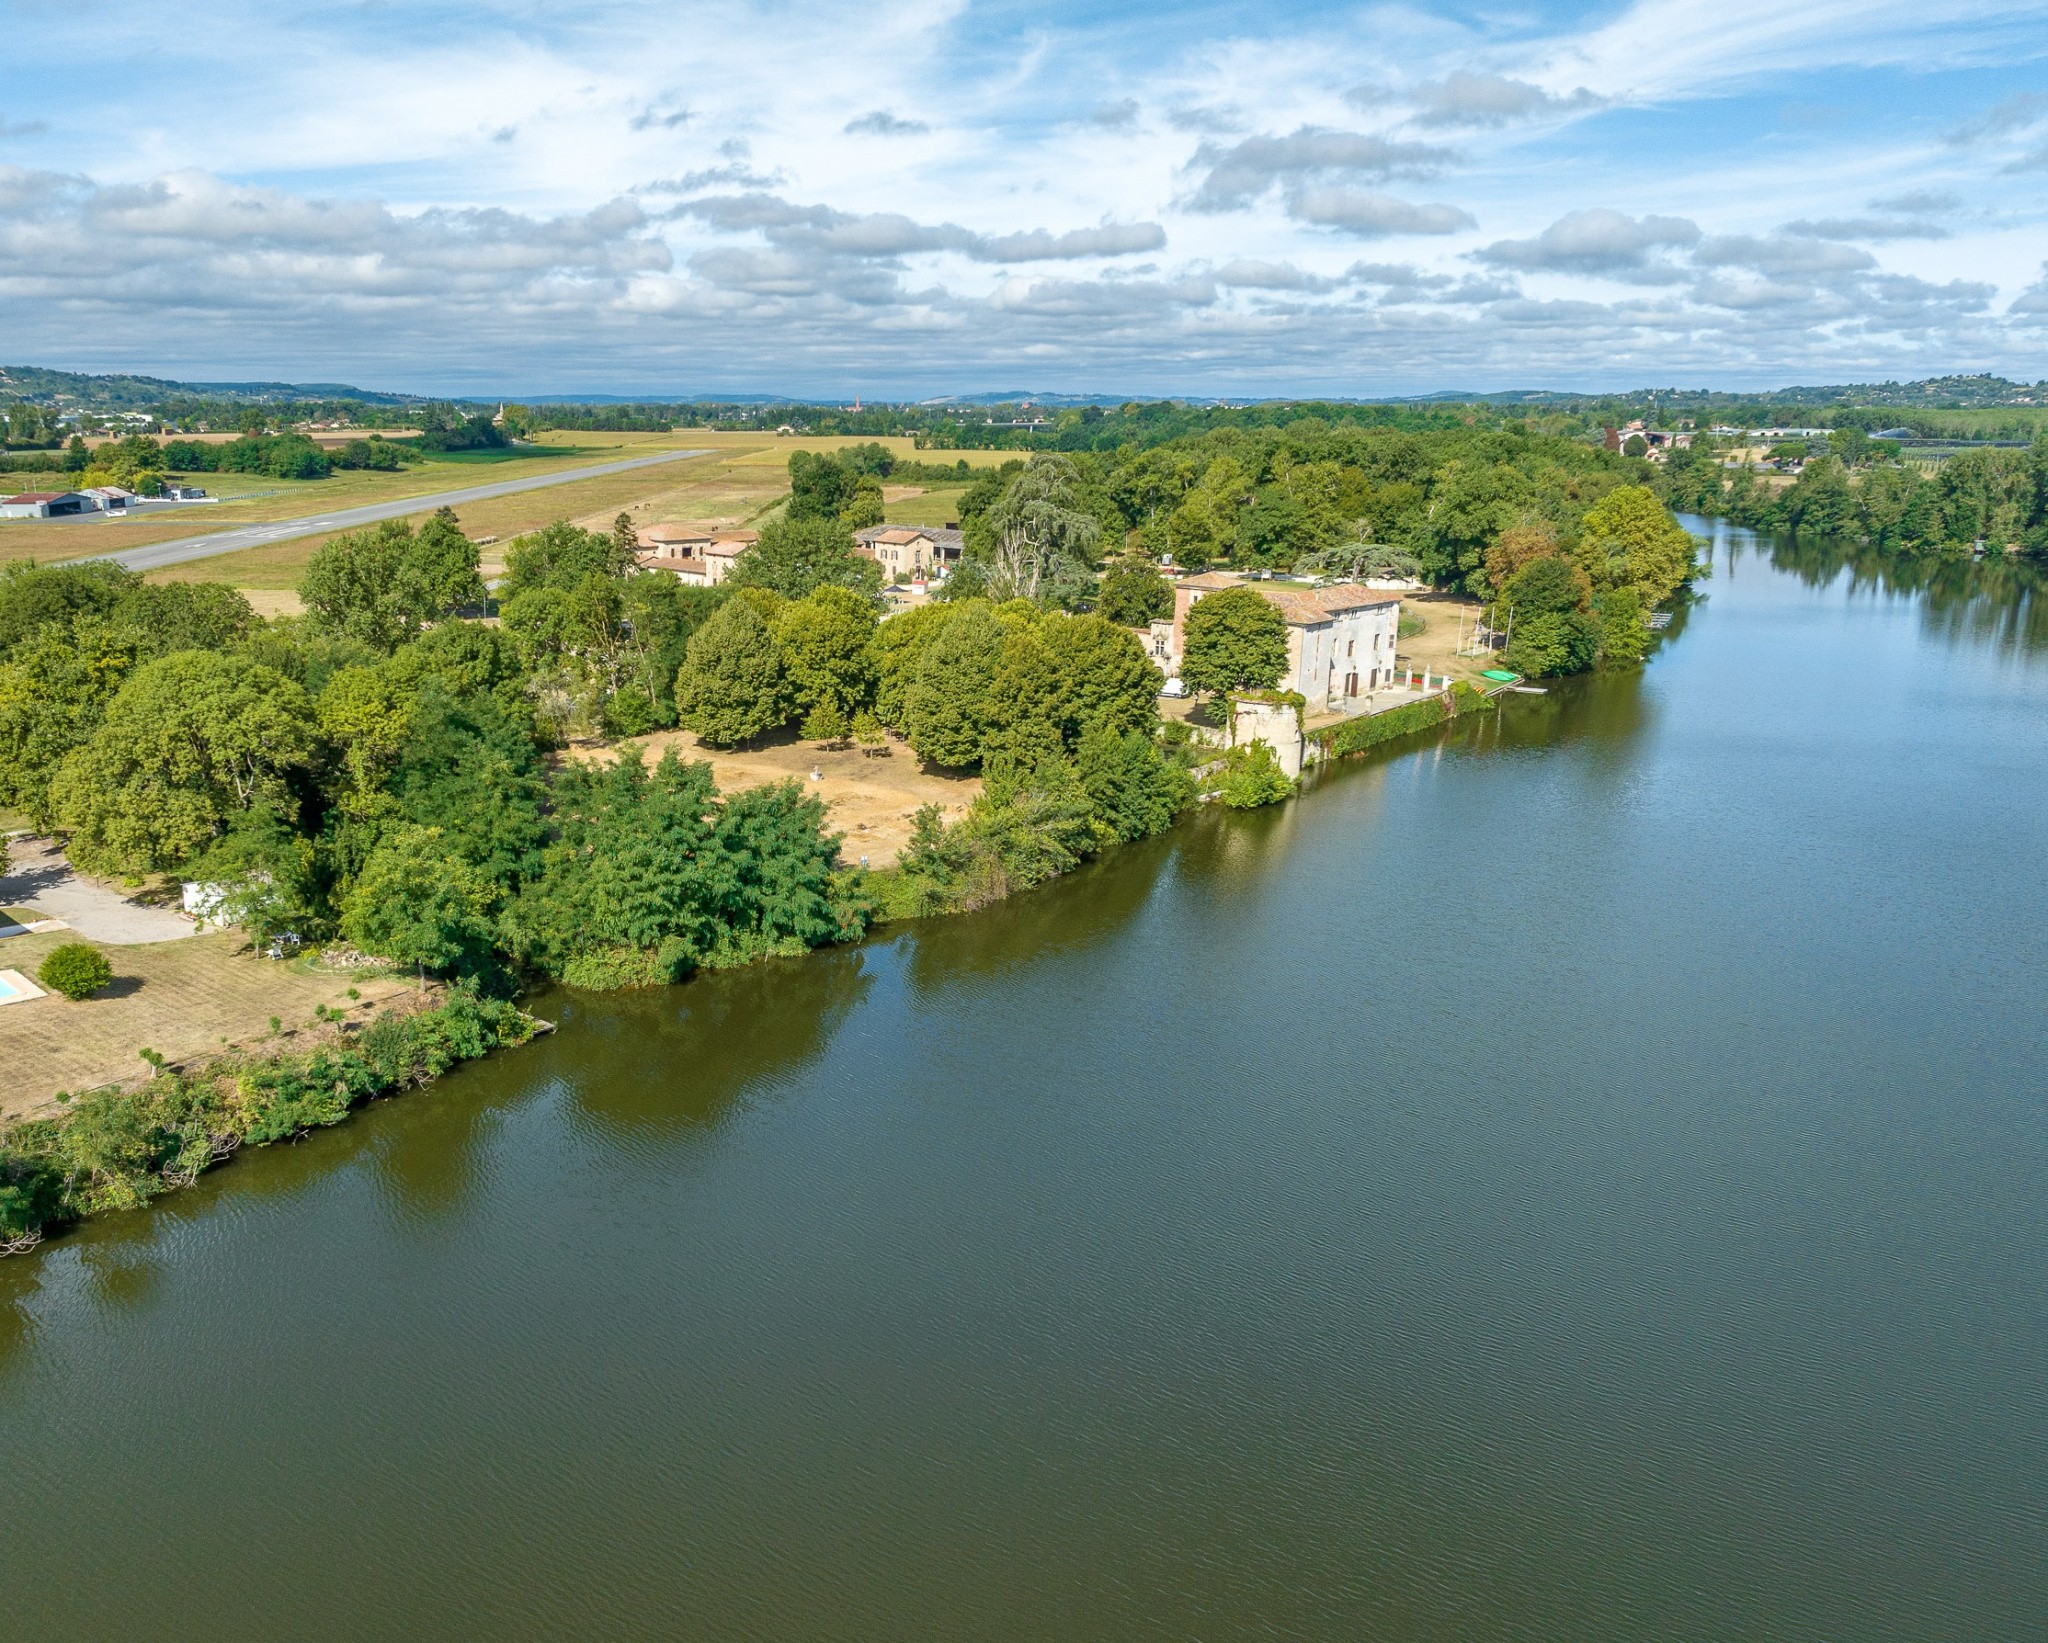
(1995, 496)
(1312, 495)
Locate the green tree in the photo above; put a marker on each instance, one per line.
(630, 891)
(560, 556)
(1134, 791)
(385, 585)
(1203, 528)
(469, 767)
(1252, 777)
(897, 652)
(1102, 677)
(1133, 593)
(191, 741)
(1232, 640)
(418, 903)
(54, 690)
(1554, 631)
(731, 687)
(947, 710)
(825, 640)
(77, 970)
(1624, 636)
(796, 554)
(819, 486)
(1628, 538)
(1040, 537)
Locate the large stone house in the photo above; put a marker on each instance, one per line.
(701, 555)
(915, 551)
(1340, 640)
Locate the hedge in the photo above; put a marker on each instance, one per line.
(1356, 735)
(118, 1149)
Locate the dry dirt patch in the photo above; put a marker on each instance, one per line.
(872, 798)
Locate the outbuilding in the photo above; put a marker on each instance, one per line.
(47, 505)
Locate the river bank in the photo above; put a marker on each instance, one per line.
(122, 1146)
(1582, 1181)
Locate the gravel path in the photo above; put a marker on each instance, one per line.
(39, 878)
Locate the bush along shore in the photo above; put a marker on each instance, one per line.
(118, 1149)
(386, 771)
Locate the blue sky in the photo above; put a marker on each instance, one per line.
(908, 199)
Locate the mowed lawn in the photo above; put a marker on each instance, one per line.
(180, 998)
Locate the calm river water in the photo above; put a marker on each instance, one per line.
(1587, 1179)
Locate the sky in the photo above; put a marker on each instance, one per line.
(909, 198)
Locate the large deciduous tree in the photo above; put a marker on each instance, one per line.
(1554, 631)
(948, 708)
(1233, 639)
(1039, 537)
(1629, 539)
(419, 903)
(191, 741)
(731, 687)
(824, 639)
(386, 584)
(795, 555)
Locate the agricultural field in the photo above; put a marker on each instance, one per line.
(742, 480)
(257, 498)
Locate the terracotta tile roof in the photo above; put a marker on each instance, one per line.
(1305, 607)
(1213, 581)
(1351, 596)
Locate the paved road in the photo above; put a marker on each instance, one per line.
(159, 554)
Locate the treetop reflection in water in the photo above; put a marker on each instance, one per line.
(1579, 1176)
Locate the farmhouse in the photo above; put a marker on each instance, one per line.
(701, 555)
(1340, 640)
(911, 550)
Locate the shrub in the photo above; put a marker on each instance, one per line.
(1252, 777)
(76, 970)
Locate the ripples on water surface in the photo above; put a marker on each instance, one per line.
(1581, 1180)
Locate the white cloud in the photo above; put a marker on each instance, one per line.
(1597, 241)
(1481, 100)
(1360, 211)
(1235, 177)
(1159, 198)
(880, 122)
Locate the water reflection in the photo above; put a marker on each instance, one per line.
(1997, 603)
(666, 1060)
(427, 1160)
(1085, 908)
(21, 1280)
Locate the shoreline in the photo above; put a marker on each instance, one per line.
(52, 1180)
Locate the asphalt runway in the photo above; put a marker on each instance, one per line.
(157, 555)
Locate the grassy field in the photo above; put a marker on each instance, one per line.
(181, 998)
(252, 498)
(743, 479)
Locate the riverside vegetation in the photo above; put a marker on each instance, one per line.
(390, 771)
(1857, 489)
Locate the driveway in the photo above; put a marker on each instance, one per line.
(159, 554)
(38, 878)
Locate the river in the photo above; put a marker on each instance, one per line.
(1583, 1178)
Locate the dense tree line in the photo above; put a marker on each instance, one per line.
(1468, 509)
(1996, 497)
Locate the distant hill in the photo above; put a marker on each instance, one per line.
(76, 389)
